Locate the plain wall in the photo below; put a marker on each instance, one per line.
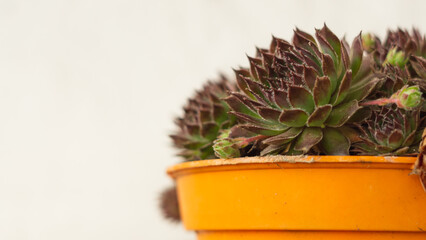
(89, 89)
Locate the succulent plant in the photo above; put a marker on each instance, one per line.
(411, 44)
(403, 56)
(396, 58)
(389, 131)
(297, 98)
(205, 116)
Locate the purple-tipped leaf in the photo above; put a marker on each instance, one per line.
(309, 76)
(294, 117)
(342, 113)
(361, 90)
(332, 39)
(334, 142)
(329, 70)
(356, 54)
(238, 106)
(301, 98)
(261, 130)
(309, 138)
(395, 139)
(343, 88)
(283, 138)
(322, 91)
(269, 114)
(319, 116)
(280, 97)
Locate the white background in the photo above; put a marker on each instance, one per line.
(88, 91)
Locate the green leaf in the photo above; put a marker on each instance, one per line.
(309, 76)
(209, 130)
(319, 116)
(304, 40)
(356, 54)
(361, 90)
(301, 98)
(332, 39)
(329, 70)
(344, 55)
(395, 139)
(240, 75)
(294, 117)
(334, 142)
(343, 88)
(410, 139)
(326, 47)
(419, 66)
(322, 91)
(309, 137)
(273, 150)
(360, 115)
(280, 98)
(239, 106)
(261, 130)
(283, 138)
(269, 114)
(340, 114)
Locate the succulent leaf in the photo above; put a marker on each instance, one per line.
(334, 142)
(294, 117)
(309, 138)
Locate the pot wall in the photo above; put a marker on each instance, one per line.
(298, 197)
(304, 235)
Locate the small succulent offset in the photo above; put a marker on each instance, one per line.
(389, 131)
(401, 59)
(224, 146)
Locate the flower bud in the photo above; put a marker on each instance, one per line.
(226, 148)
(408, 97)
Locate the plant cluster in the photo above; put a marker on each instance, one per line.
(316, 95)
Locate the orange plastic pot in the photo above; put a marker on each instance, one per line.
(311, 197)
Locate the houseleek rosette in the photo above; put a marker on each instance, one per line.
(205, 116)
(298, 97)
(390, 131)
(401, 60)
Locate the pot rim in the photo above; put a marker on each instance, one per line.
(282, 161)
